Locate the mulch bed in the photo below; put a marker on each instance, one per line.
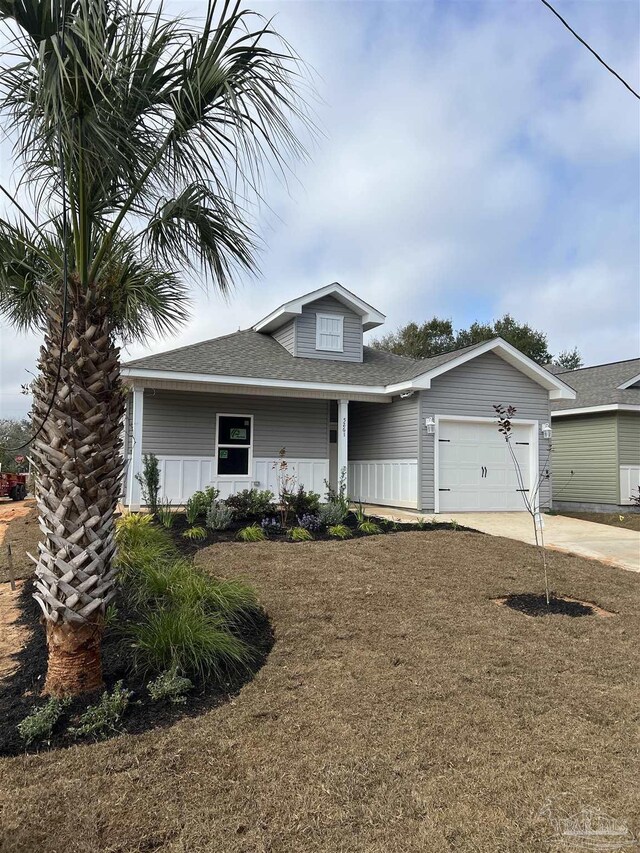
(19, 692)
(190, 547)
(536, 605)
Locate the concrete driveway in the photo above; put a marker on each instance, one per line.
(611, 545)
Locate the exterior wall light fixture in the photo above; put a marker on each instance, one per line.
(430, 424)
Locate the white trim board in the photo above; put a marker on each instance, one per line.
(629, 383)
(593, 410)
(534, 450)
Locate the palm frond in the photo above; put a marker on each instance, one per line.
(200, 227)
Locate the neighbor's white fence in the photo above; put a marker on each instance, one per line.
(392, 482)
(629, 482)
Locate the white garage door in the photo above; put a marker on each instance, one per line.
(476, 471)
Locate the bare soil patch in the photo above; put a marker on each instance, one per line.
(399, 711)
(627, 520)
(19, 526)
(535, 604)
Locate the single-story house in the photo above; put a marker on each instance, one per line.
(596, 438)
(407, 433)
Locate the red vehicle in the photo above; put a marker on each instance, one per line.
(13, 486)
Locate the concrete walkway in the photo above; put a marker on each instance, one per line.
(612, 545)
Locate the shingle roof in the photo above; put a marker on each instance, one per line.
(259, 356)
(598, 386)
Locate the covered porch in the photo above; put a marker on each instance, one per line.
(205, 434)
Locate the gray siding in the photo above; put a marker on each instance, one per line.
(305, 335)
(629, 438)
(585, 459)
(178, 423)
(286, 336)
(471, 390)
(384, 431)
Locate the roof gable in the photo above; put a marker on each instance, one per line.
(285, 312)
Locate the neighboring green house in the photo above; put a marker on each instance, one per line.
(596, 438)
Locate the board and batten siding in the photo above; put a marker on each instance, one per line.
(471, 390)
(305, 332)
(629, 438)
(286, 336)
(585, 459)
(177, 423)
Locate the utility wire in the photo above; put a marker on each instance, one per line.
(65, 260)
(589, 48)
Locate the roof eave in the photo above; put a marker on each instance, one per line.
(593, 410)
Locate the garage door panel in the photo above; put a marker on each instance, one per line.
(476, 468)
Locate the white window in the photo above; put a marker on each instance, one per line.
(329, 330)
(234, 437)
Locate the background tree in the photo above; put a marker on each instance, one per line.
(419, 341)
(569, 359)
(436, 336)
(136, 136)
(14, 432)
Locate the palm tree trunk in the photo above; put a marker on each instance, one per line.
(78, 464)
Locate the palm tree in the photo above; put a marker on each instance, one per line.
(135, 136)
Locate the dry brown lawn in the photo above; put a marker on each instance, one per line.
(400, 710)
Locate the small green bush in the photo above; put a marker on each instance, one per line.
(331, 514)
(301, 503)
(192, 510)
(369, 527)
(169, 685)
(187, 639)
(340, 531)
(339, 496)
(40, 722)
(250, 503)
(150, 481)
(201, 501)
(102, 718)
(252, 533)
(196, 534)
(300, 534)
(219, 516)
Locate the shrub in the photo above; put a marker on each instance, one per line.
(150, 481)
(340, 531)
(331, 514)
(300, 534)
(219, 516)
(369, 527)
(252, 533)
(169, 685)
(166, 515)
(635, 497)
(40, 722)
(201, 501)
(196, 534)
(141, 543)
(250, 503)
(339, 497)
(102, 718)
(301, 503)
(186, 639)
(309, 522)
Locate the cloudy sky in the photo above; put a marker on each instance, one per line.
(475, 159)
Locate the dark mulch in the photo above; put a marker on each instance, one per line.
(19, 692)
(190, 547)
(536, 605)
(628, 519)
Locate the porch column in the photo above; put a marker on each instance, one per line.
(343, 441)
(135, 463)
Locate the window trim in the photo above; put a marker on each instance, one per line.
(324, 315)
(249, 474)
